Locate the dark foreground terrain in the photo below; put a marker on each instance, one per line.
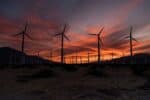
(75, 82)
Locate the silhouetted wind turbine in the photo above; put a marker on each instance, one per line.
(76, 56)
(65, 60)
(63, 35)
(23, 33)
(131, 40)
(99, 43)
(72, 59)
(89, 56)
(38, 55)
(112, 55)
(123, 54)
(80, 59)
(50, 55)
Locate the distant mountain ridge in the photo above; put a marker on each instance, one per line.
(11, 56)
(142, 58)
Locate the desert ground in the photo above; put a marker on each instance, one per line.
(74, 82)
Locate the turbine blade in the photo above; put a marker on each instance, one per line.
(131, 29)
(64, 30)
(134, 39)
(26, 27)
(27, 35)
(127, 37)
(101, 31)
(18, 34)
(66, 37)
(92, 34)
(57, 34)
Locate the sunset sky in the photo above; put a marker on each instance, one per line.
(47, 17)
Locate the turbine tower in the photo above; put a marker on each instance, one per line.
(112, 55)
(131, 41)
(63, 35)
(80, 59)
(76, 56)
(88, 56)
(38, 55)
(99, 43)
(51, 55)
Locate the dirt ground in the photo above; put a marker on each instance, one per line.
(74, 83)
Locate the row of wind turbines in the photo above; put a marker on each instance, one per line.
(63, 36)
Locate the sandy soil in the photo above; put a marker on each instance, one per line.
(118, 84)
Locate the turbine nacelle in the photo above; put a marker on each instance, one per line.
(63, 33)
(24, 32)
(130, 35)
(99, 35)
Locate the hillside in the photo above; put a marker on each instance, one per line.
(12, 56)
(136, 59)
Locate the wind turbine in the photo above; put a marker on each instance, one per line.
(51, 55)
(99, 43)
(76, 56)
(70, 60)
(63, 35)
(38, 55)
(72, 57)
(131, 41)
(112, 56)
(123, 55)
(23, 33)
(80, 59)
(89, 56)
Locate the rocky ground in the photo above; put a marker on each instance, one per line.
(74, 82)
